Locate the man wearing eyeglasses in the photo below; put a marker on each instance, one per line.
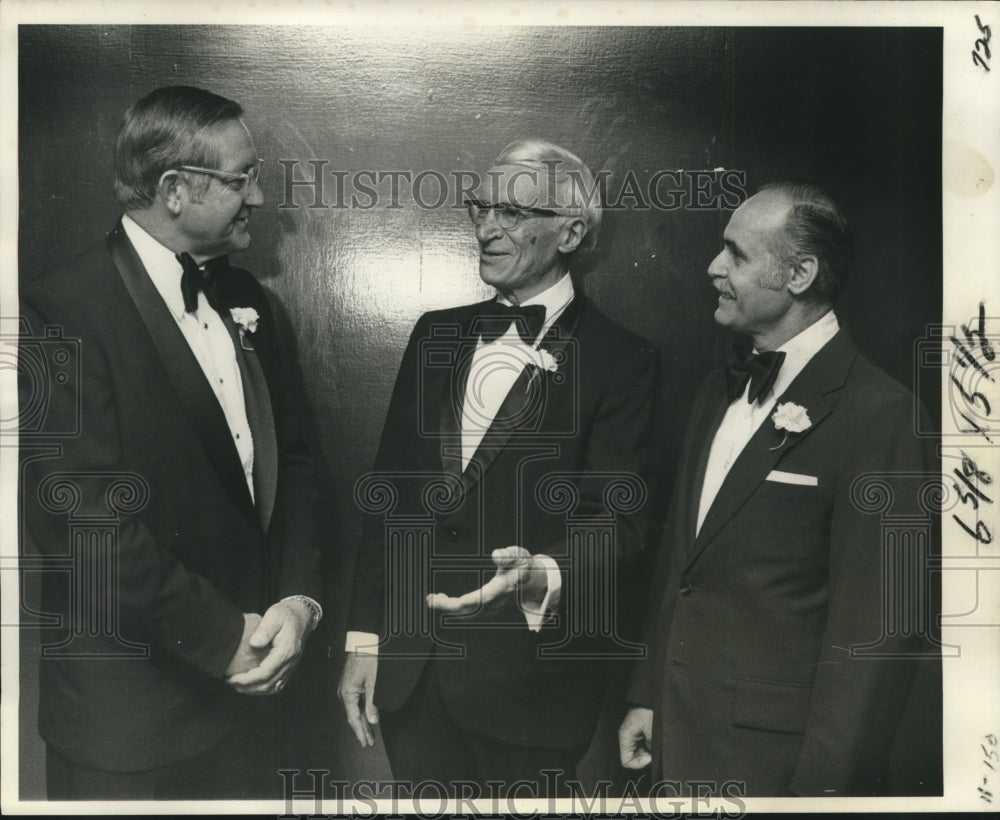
(515, 428)
(183, 402)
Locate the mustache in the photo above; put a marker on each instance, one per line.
(724, 290)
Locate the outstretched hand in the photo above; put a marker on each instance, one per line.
(517, 569)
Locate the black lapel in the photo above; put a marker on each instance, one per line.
(260, 417)
(185, 374)
(527, 400)
(564, 328)
(458, 345)
(824, 374)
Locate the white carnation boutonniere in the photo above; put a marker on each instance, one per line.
(246, 319)
(790, 417)
(541, 361)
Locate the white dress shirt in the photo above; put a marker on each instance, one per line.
(206, 335)
(495, 367)
(743, 418)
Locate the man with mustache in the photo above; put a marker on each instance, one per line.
(776, 664)
(189, 438)
(522, 433)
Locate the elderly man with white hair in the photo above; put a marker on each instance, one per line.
(511, 481)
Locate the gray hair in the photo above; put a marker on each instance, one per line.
(569, 172)
(815, 225)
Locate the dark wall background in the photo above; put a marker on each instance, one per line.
(857, 110)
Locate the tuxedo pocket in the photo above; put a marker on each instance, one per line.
(787, 493)
(774, 706)
(795, 479)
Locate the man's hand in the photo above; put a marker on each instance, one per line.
(284, 629)
(357, 681)
(246, 656)
(516, 569)
(635, 738)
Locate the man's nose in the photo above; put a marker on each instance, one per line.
(716, 268)
(255, 196)
(489, 228)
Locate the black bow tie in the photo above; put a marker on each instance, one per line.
(196, 279)
(760, 369)
(494, 321)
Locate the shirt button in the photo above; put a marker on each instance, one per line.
(237, 435)
(205, 325)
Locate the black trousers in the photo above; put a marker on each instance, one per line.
(424, 745)
(242, 766)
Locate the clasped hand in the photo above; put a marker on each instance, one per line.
(517, 569)
(635, 738)
(270, 648)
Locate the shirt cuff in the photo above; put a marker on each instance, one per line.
(536, 617)
(315, 609)
(361, 643)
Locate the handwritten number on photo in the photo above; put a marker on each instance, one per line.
(969, 471)
(989, 754)
(967, 354)
(981, 52)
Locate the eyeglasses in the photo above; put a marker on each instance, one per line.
(507, 215)
(238, 182)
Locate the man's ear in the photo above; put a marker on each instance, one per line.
(802, 274)
(171, 190)
(573, 233)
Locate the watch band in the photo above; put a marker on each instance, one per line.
(316, 611)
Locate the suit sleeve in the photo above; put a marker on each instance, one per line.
(857, 701)
(643, 688)
(399, 432)
(622, 441)
(293, 532)
(158, 601)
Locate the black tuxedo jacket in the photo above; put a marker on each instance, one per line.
(751, 673)
(137, 682)
(570, 456)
